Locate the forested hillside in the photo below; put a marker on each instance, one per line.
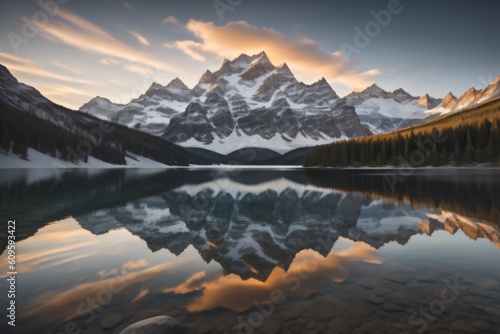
(20, 130)
(467, 137)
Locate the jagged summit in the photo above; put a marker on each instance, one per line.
(154, 87)
(4, 71)
(284, 70)
(100, 98)
(375, 90)
(449, 96)
(261, 58)
(177, 83)
(428, 102)
(226, 68)
(206, 78)
(400, 91)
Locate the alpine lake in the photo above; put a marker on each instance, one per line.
(254, 250)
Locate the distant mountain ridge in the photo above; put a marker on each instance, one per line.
(249, 102)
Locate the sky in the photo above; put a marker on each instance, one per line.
(74, 50)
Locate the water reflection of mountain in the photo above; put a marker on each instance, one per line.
(252, 221)
(252, 228)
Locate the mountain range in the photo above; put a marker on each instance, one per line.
(249, 102)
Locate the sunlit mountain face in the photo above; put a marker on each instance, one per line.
(268, 251)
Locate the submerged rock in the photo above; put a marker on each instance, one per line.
(161, 324)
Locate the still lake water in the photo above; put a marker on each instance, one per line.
(262, 251)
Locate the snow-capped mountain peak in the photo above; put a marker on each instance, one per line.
(178, 84)
(402, 96)
(153, 88)
(261, 58)
(375, 90)
(428, 102)
(206, 78)
(249, 102)
(284, 71)
(449, 101)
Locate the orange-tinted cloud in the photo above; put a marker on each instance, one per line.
(304, 55)
(137, 69)
(25, 66)
(66, 67)
(139, 37)
(86, 36)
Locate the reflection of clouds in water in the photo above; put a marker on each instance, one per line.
(54, 245)
(105, 273)
(138, 264)
(64, 303)
(141, 294)
(193, 283)
(304, 276)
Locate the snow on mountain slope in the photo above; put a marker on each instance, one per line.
(102, 108)
(61, 132)
(248, 102)
(384, 111)
(278, 143)
(473, 97)
(37, 159)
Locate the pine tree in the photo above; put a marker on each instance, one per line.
(6, 137)
(493, 148)
(484, 133)
(457, 154)
(443, 160)
(470, 152)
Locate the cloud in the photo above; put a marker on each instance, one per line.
(191, 48)
(171, 20)
(27, 67)
(139, 37)
(137, 69)
(66, 67)
(57, 91)
(116, 82)
(108, 61)
(304, 55)
(84, 35)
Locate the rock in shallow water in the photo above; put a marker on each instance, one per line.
(161, 324)
(111, 321)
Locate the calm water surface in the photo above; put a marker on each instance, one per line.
(255, 251)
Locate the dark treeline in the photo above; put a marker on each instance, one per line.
(474, 193)
(463, 138)
(20, 130)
